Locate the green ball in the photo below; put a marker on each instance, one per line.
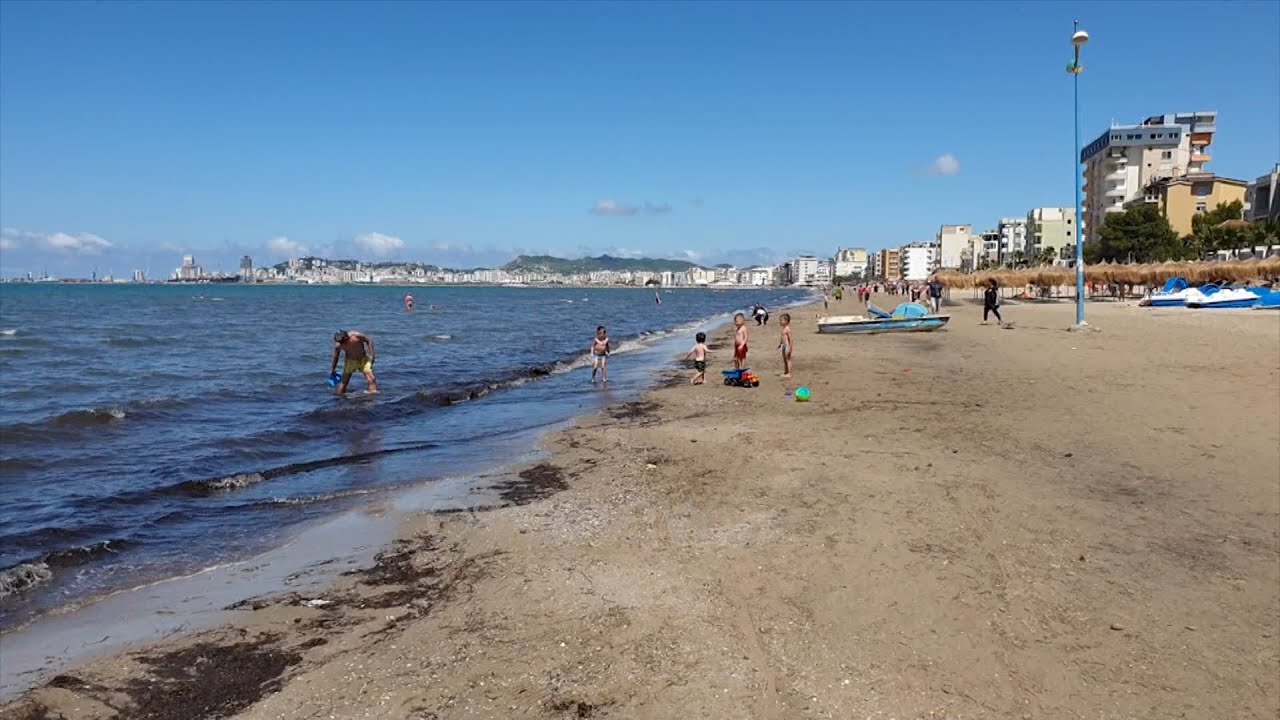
(802, 394)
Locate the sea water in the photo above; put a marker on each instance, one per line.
(149, 431)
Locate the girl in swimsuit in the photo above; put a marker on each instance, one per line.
(600, 355)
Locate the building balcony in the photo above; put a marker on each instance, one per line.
(1118, 174)
(1200, 157)
(1113, 209)
(1115, 192)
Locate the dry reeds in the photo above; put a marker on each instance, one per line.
(1108, 273)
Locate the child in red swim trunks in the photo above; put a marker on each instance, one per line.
(739, 342)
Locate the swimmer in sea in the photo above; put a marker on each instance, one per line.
(358, 360)
(600, 355)
(408, 303)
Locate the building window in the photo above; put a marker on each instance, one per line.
(1203, 190)
(1201, 208)
(1166, 155)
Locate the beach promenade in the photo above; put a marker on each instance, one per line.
(975, 523)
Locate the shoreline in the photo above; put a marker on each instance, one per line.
(195, 601)
(920, 537)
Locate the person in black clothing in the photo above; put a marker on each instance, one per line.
(991, 302)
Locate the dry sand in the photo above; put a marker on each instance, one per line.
(976, 523)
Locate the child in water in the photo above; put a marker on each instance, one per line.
(739, 342)
(785, 344)
(600, 355)
(699, 355)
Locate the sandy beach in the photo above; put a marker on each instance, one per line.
(982, 522)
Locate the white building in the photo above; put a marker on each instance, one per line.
(189, 270)
(760, 276)
(823, 275)
(804, 270)
(953, 240)
(1013, 238)
(700, 276)
(919, 261)
(1124, 160)
(851, 262)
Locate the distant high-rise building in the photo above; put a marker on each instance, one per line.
(1123, 161)
(139, 276)
(189, 270)
(952, 241)
(246, 269)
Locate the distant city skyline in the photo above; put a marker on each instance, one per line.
(462, 135)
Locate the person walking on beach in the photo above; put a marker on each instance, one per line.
(353, 344)
(600, 355)
(739, 342)
(935, 294)
(826, 298)
(785, 344)
(991, 302)
(699, 356)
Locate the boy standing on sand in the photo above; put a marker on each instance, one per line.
(699, 355)
(991, 302)
(739, 341)
(600, 355)
(785, 344)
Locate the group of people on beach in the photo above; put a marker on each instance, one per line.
(360, 354)
(740, 347)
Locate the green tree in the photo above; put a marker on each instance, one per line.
(1139, 234)
(1208, 235)
(1046, 256)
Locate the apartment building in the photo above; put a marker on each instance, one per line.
(1012, 239)
(804, 270)
(851, 261)
(889, 264)
(1264, 197)
(919, 261)
(1051, 227)
(953, 240)
(1182, 198)
(1123, 161)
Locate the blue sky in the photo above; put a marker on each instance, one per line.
(463, 134)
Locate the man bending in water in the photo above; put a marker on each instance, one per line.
(353, 344)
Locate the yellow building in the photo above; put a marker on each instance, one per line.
(1182, 198)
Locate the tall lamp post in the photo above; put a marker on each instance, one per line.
(1078, 39)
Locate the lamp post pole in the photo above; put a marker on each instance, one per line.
(1078, 39)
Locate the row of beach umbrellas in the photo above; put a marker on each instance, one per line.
(1254, 269)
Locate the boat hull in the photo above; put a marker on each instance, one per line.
(872, 326)
(1224, 304)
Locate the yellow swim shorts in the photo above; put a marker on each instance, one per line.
(359, 365)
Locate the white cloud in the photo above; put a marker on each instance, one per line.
(379, 245)
(613, 207)
(945, 165)
(77, 243)
(286, 247)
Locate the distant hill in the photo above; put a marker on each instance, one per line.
(547, 263)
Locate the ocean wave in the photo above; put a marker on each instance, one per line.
(239, 481)
(68, 423)
(21, 578)
(439, 337)
(28, 574)
(9, 333)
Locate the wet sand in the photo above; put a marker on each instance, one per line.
(980, 522)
